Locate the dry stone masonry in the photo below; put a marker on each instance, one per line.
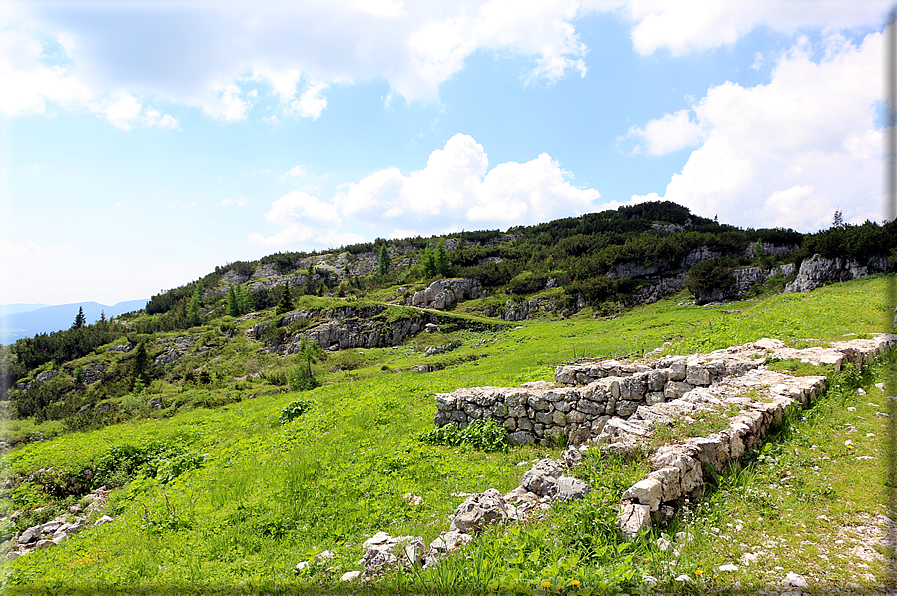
(628, 406)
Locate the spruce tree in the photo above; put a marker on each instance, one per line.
(310, 282)
(244, 300)
(286, 301)
(384, 261)
(195, 304)
(440, 259)
(233, 308)
(427, 263)
(80, 319)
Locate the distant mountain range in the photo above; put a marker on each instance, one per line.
(26, 320)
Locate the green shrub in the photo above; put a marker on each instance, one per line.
(485, 436)
(294, 409)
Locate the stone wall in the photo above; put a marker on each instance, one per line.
(585, 396)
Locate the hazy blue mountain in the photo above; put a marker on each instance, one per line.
(11, 309)
(46, 319)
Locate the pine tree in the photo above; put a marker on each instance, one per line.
(195, 304)
(310, 282)
(244, 300)
(440, 259)
(427, 263)
(80, 319)
(286, 301)
(384, 262)
(838, 221)
(233, 308)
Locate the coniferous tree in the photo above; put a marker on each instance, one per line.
(244, 300)
(440, 259)
(80, 319)
(427, 262)
(195, 304)
(286, 301)
(310, 282)
(384, 261)
(233, 307)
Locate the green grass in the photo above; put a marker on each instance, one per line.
(226, 497)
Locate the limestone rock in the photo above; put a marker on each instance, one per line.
(443, 293)
(478, 511)
(633, 518)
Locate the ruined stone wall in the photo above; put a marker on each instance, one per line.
(586, 395)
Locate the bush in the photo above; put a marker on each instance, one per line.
(485, 436)
(709, 275)
(294, 409)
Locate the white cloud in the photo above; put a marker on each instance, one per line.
(215, 57)
(665, 135)
(126, 111)
(456, 190)
(304, 219)
(688, 25)
(29, 82)
(294, 172)
(787, 152)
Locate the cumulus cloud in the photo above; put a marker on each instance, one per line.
(457, 190)
(219, 59)
(670, 133)
(689, 25)
(29, 82)
(791, 151)
(304, 219)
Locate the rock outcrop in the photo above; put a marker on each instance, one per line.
(818, 270)
(744, 279)
(442, 293)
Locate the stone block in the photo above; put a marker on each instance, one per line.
(697, 374)
(633, 518)
(654, 397)
(677, 367)
(657, 379)
(647, 492)
(676, 389)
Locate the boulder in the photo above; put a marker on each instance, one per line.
(478, 511)
(442, 293)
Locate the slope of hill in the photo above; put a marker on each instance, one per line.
(278, 409)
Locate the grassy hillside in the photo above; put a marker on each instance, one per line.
(212, 492)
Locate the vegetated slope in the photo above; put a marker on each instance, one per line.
(349, 298)
(212, 490)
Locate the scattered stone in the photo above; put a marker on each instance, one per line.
(728, 567)
(103, 520)
(478, 511)
(350, 576)
(794, 580)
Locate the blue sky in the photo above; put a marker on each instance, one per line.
(143, 143)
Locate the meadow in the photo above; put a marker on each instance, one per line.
(227, 498)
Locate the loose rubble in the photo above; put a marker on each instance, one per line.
(59, 528)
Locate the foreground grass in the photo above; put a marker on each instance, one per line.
(243, 498)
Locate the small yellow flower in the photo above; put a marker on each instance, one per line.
(715, 575)
(545, 584)
(574, 583)
(699, 572)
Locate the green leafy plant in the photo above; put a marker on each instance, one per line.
(294, 409)
(483, 435)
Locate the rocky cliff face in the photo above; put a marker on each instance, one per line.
(442, 293)
(818, 270)
(745, 279)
